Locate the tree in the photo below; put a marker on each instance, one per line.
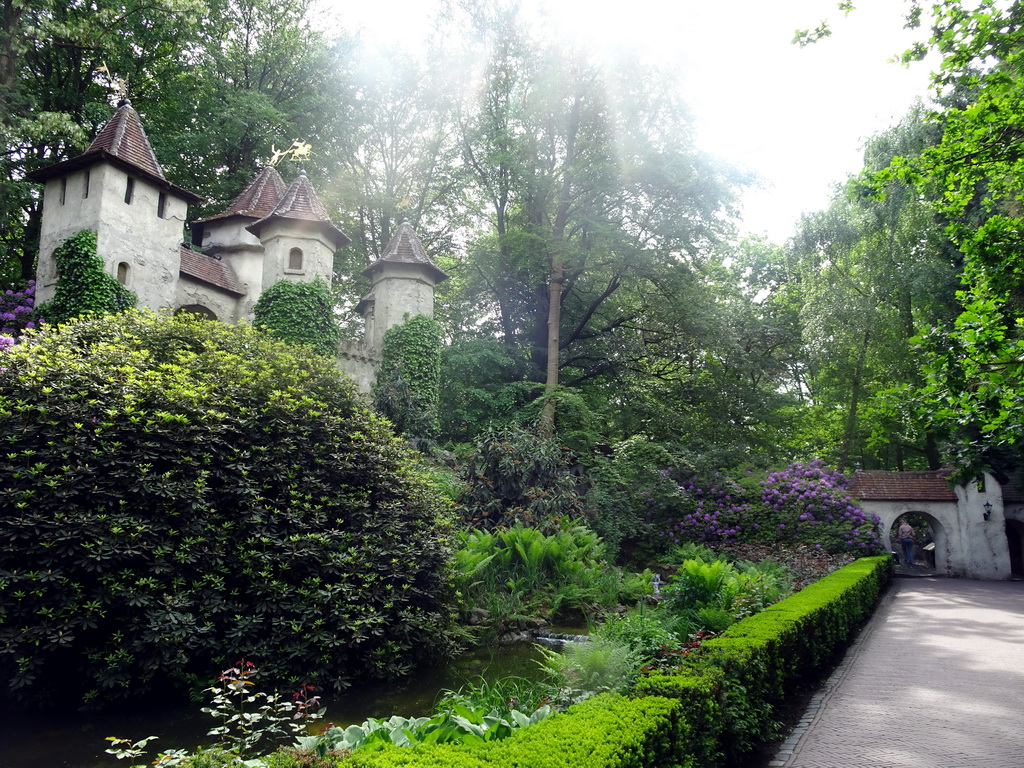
(973, 369)
(872, 272)
(594, 192)
(178, 493)
(54, 91)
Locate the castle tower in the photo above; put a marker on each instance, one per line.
(118, 190)
(403, 281)
(298, 237)
(223, 237)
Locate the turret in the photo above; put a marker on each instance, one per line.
(403, 281)
(298, 237)
(117, 189)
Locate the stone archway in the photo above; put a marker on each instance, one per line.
(929, 532)
(1015, 542)
(198, 310)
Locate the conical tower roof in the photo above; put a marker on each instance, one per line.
(301, 205)
(405, 248)
(121, 142)
(123, 137)
(258, 200)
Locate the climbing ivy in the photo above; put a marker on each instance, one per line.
(83, 287)
(299, 313)
(408, 381)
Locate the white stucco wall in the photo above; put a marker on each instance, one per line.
(966, 544)
(400, 291)
(226, 306)
(126, 232)
(62, 219)
(279, 237)
(360, 363)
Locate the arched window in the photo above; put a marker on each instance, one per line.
(197, 310)
(295, 259)
(122, 273)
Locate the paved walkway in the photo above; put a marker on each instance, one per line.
(935, 680)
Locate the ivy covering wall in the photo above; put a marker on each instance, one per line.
(83, 287)
(299, 313)
(409, 378)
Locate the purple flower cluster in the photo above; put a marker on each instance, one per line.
(804, 503)
(811, 505)
(707, 513)
(16, 313)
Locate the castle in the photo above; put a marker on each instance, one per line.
(272, 231)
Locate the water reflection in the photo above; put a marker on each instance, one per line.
(77, 741)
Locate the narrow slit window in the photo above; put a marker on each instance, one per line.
(295, 259)
(161, 206)
(63, 190)
(85, 189)
(129, 190)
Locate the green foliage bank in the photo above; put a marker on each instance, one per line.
(178, 494)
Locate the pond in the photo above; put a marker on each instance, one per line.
(78, 740)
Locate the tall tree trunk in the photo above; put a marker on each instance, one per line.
(851, 419)
(547, 414)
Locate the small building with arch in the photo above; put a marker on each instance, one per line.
(977, 528)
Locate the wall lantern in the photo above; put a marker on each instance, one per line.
(988, 509)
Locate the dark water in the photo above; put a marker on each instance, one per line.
(79, 741)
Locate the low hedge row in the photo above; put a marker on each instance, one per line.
(607, 730)
(705, 715)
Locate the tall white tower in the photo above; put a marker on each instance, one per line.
(118, 190)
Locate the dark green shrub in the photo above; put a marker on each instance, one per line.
(410, 376)
(299, 313)
(178, 493)
(83, 288)
(517, 475)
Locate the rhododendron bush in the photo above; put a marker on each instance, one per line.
(802, 504)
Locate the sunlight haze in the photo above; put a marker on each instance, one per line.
(794, 117)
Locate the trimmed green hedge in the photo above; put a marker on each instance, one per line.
(607, 730)
(707, 715)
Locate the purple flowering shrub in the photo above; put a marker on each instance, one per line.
(809, 504)
(802, 504)
(17, 313)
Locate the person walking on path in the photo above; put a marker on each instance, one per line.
(906, 535)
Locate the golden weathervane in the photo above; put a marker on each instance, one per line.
(119, 84)
(297, 152)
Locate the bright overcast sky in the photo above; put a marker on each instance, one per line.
(796, 117)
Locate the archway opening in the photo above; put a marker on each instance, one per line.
(197, 310)
(1015, 541)
(929, 547)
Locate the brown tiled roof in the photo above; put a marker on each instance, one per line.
(1013, 493)
(209, 270)
(300, 203)
(405, 248)
(124, 137)
(258, 200)
(121, 142)
(910, 486)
